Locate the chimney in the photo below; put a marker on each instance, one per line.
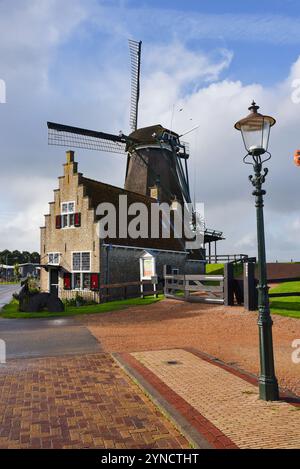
(70, 165)
(70, 156)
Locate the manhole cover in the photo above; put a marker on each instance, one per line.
(173, 362)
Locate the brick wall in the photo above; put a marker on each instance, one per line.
(280, 270)
(121, 264)
(66, 240)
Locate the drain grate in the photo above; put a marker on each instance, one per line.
(173, 362)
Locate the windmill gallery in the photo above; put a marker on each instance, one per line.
(73, 255)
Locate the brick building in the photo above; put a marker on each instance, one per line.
(74, 259)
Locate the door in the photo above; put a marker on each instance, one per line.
(54, 281)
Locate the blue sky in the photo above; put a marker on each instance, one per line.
(258, 56)
(68, 62)
(264, 35)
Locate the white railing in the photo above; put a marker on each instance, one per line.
(193, 288)
(87, 295)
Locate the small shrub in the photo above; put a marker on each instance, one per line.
(79, 301)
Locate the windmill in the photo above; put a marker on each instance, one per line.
(155, 155)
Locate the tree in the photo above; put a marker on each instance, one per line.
(35, 257)
(16, 256)
(17, 273)
(26, 257)
(4, 256)
(10, 257)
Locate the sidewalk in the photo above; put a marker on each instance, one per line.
(78, 401)
(88, 401)
(213, 402)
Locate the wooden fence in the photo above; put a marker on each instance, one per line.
(195, 288)
(105, 291)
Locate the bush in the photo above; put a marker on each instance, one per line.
(78, 301)
(33, 285)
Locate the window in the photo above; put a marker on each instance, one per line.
(86, 281)
(68, 214)
(81, 261)
(76, 260)
(53, 258)
(77, 281)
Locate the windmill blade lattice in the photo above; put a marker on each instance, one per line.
(65, 135)
(135, 59)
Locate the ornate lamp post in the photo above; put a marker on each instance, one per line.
(255, 130)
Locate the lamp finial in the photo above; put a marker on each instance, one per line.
(253, 108)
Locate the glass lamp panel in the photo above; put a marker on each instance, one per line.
(265, 134)
(252, 133)
(255, 134)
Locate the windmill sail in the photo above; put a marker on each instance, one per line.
(65, 135)
(135, 59)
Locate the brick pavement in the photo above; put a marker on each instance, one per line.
(81, 401)
(225, 406)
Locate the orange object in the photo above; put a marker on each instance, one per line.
(297, 157)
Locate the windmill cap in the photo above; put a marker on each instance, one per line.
(150, 134)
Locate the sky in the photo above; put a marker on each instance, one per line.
(68, 62)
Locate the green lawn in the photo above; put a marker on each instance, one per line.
(286, 306)
(218, 269)
(11, 309)
(214, 269)
(9, 283)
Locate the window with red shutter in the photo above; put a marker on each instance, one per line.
(67, 281)
(58, 221)
(77, 219)
(95, 281)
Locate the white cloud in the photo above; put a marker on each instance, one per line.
(49, 79)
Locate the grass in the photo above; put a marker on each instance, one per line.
(286, 306)
(218, 269)
(9, 283)
(10, 311)
(214, 269)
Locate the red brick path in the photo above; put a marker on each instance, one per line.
(82, 401)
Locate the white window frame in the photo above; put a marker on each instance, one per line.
(81, 272)
(67, 213)
(53, 253)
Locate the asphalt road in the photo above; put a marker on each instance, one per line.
(6, 292)
(43, 337)
(46, 337)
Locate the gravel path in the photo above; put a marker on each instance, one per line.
(230, 334)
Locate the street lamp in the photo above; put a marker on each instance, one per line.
(255, 130)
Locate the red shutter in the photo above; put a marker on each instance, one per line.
(58, 221)
(77, 219)
(67, 281)
(94, 281)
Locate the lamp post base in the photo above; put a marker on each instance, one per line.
(268, 389)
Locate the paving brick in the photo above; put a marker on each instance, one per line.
(78, 401)
(229, 408)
